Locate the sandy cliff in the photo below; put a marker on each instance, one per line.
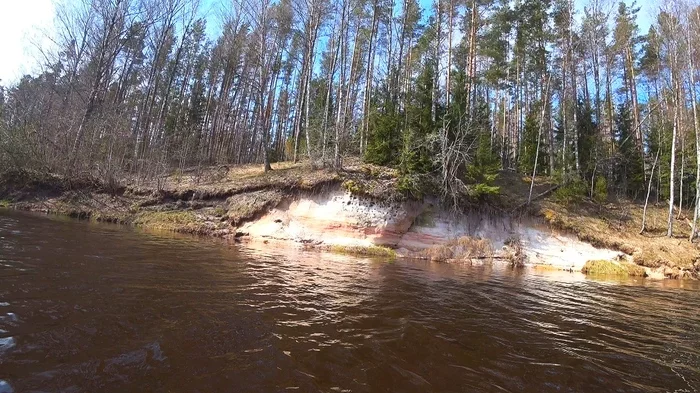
(337, 218)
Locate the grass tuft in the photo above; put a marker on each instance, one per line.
(173, 221)
(371, 251)
(463, 248)
(514, 253)
(611, 268)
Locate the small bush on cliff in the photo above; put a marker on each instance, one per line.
(570, 193)
(480, 180)
(514, 253)
(600, 190)
(353, 187)
(464, 248)
(481, 190)
(219, 211)
(415, 186)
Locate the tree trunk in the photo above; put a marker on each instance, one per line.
(693, 100)
(671, 198)
(646, 200)
(539, 138)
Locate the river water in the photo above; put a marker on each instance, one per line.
(102, 308)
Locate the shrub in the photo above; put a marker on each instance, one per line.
(411, 186)
(482, 190)
(570, 193)
(514, 251)
(353, 187)
(463, 248)
(600, 190)
(219, 211)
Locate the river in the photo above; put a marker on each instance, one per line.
(86, 307)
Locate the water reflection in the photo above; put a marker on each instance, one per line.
(101, 308)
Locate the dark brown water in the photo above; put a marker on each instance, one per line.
(99, 308)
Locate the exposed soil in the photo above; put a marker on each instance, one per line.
(217, 200)
(211, 201)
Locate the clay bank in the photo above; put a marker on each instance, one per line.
(338, 220)
(359, 212)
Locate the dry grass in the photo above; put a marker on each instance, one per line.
(465, 248)
(222, 181)
(224, 175)
(247, 206)
(617, 225)
(513, 252)
(370, 251)
(611, 225)
(603, 267)
(173, 221)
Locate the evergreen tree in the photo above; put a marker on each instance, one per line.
(416, 156)
(384, 139)
(532, 141)
(486, 159)
(630, 168)
(587, 141)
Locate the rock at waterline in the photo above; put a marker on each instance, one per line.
(5, 387)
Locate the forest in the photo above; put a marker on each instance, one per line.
(448, 92)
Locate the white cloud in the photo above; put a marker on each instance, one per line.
(23, 28)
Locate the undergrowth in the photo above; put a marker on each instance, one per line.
(604, 267)
(371, 251)
(463, 248)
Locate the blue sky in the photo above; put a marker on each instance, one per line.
(25, 26)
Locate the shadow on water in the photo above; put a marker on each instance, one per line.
(86, 307)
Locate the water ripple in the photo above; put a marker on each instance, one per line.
(100, 308)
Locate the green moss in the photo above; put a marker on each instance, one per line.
(4, 203)
(371, 170)
(373, 251)
(176, 221)
(112, 217)
(172, 217)
(353, 187)
(604, 267)
(219, 211)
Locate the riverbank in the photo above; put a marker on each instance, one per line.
(359, 210)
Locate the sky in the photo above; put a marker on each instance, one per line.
(25, 26)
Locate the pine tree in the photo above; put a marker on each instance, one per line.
(384, 136)
(416, 156)
(587, 141)
(532, 141)
(626, 38)
(630, 167)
